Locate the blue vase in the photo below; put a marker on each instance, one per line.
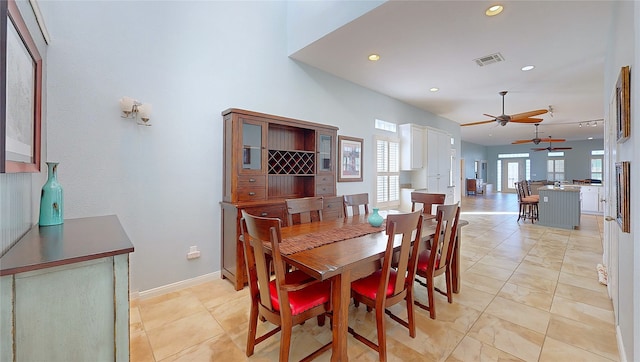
(51, 198)
(375, 219)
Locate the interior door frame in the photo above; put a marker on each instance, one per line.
(610, 241)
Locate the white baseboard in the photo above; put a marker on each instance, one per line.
(623, 357)
(145, 294)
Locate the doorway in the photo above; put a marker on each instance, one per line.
(513, 170)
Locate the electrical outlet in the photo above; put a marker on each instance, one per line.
(193, 253)
(545, 199)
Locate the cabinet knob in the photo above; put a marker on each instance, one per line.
(252, 193)
(263, 214)
(252, 180)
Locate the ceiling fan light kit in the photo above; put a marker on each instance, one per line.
(552, 148)
(503, 119)
(536, 140)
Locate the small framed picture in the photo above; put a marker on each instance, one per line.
(349, 159)
(623, 194)
(623, 105)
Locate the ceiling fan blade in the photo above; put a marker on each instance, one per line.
(561, 148)
(528, 114)
(539, 149)
(527, 120)
(519, 142)
(552, 140)
(489, 115)
(476, 123)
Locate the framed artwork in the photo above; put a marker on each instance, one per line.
(349, 159)
(20, 93)
(623, 194)
(623, 104)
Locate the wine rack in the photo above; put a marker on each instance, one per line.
(291, 162)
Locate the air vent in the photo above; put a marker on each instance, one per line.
(489, 59)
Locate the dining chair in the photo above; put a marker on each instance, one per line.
(288, 299)
(304, 208)
(427, 201)
(389, 286)
(437, 260)
(354, 202)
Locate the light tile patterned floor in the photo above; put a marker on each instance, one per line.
(528, 293)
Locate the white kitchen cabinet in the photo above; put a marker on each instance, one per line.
(438, 153)
(590, 196)
(411, 147)
(438, 160)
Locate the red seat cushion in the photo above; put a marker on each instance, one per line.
(303, 299)
(423, 261)
(368, 286)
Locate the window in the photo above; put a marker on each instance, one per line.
(386, 126)
(387, 173)
(555, 169)
(596, 164)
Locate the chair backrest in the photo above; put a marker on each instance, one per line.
(304, 207)
(354, 202)
(447, 217)
(256, 231)
(521, 190)
(405, 226)
(427, 201)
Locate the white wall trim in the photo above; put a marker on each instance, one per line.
(623, 357)
(155, 292)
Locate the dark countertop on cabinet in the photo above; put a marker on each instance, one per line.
(74, 241)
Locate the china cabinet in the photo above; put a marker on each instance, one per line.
(268, 159)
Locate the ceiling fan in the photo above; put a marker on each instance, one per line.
(537, 139)
(517, 118)
(552, 148)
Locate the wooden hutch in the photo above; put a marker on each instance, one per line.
(268, 159)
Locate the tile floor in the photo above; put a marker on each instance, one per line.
(528, 293)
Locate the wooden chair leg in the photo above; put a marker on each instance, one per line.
(449, 277)
(410, 316)
(253, 326)
(285, 338)
(382, 334)
(432, 304)
(321, 319)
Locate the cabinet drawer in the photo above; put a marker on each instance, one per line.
(251, 181)
(266, 211)
(325, 179)
(251, 193)
(322, 190)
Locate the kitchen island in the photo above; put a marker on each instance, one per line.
(559, 206)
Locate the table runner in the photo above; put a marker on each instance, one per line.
(313, 240)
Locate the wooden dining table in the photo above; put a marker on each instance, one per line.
(347, 260)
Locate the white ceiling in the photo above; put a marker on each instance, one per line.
(426, 44)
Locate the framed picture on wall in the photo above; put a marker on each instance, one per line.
(20, 93)
(623, 105)
(623, 194)
(349, 159)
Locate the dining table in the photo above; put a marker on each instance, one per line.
(344, 250)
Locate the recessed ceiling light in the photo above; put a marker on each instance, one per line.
(589, 138)
(527, 68)
(374, 57)
(494, 10)
(434, 89)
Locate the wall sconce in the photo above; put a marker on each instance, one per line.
(134, 109)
